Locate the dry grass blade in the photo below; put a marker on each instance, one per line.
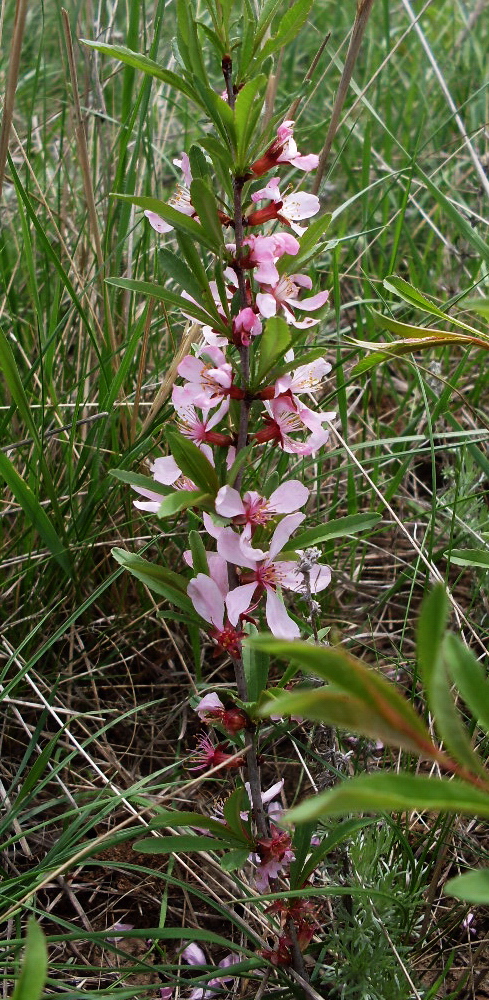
(190, 337)
(81, 141)
(364, 8)
(13, 73)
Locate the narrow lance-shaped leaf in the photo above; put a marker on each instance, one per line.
(246, 112)
(35, 513)
(192, 462)
(421, 332)
(205, 204)
(163, 294)
(339, 528)
(290, 24)
(470, 557)
(472, 887)
(469, 677)
(448, 722)
(146, 65)
(345, 711)
(273, 343)
(33, 972)
(416, 298)
(393, 793)
(351, 676)
(180, 222)
(180, 500)
(159, 579)
(185, 842)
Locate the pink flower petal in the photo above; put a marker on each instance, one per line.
(289, 497)
(283, 531)
(209, 703)
(229, 502)
(266, 304)
(229, 547)
(238, 601)
(157, 223)
(279, 622)
(312, 302)
(194, 955)
(207, 599)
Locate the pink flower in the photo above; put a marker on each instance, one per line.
(165, 470)
(267, 574)
(290, 209)
(284, 150)
(273, 854)
(254, 510)
(211, 601)
(180, 200)
(195, 956)
(199, 429)
(283, 297)
(306, 378)
(283, 419)
(245, 326)
(211, 709)
(209, 378)
(208, 756)
(263, 253)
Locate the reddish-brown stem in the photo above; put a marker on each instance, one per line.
(251, 757)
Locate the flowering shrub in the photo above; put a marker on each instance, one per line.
(241, 402)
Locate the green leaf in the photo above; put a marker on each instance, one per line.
(343, 710)
(205, 204)
(449, 725)
(164, 295)
(290, 25)
(136, 479)
(341, 831)
(246, 113)
(339, 528)
(235, 859)
(310, 240)
(193, 463)
(408, 293)
(469, 557)
(172, 817)
(274, 342)
(146, 65)
(232, 808)
(369, 694)
(431, 629)
(469, 677)
(160, 580)
(393, 793)
(180, 500)
(472, 887)
(267, 13)
(178, 270)
(241, 459)
(193, 256)
(199, 555)
(34, 969)
(199, 166)
(219, 112)
(35, 513)
(183, 843)
(429, 334)
(480, 306)
(256, 665)
(179, 221)
(188, 42)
